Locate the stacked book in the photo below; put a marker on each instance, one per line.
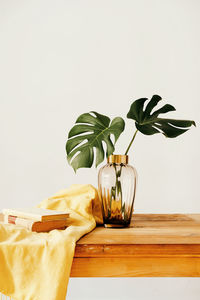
(35, 219)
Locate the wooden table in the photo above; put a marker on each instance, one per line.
(156, 245)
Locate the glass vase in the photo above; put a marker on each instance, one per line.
(117, 187)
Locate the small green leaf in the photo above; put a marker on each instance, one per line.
(136, 110)
(90, 131)
(149, 123)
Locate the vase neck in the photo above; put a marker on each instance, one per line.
(118, 159)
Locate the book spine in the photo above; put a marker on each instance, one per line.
(9, 219)
(23, 215)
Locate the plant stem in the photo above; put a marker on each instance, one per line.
(131, 142)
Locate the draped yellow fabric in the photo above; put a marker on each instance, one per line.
(36, 266)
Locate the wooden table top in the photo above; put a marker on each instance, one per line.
(150, 229)
(154, 245)
(145, 229)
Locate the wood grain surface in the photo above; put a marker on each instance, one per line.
(154, 245)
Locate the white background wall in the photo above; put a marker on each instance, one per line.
(59, 59)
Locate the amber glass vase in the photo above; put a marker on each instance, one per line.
(117, 186)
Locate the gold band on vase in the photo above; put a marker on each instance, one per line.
(118, 159)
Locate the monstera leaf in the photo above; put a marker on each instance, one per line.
(149, 122)
(90, 131)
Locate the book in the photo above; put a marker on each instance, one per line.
(36, 214)
(37, 226)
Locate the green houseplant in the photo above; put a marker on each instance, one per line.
(93, 130)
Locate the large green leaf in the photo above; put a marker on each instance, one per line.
(91, 130)
(149, 122)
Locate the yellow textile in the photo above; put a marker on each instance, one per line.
(36, 266)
